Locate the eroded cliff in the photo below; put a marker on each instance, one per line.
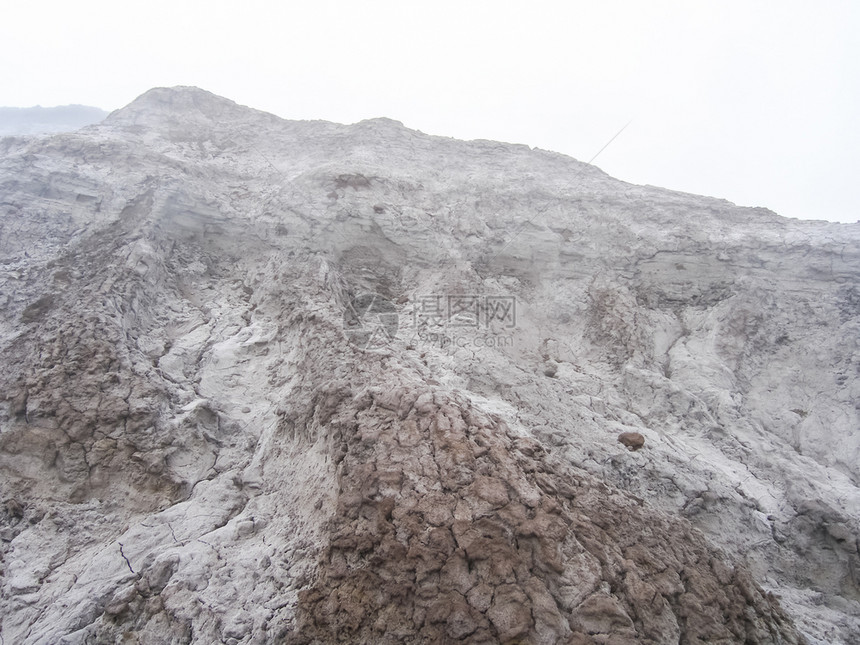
(210, 434)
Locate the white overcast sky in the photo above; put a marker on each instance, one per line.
(756, 102)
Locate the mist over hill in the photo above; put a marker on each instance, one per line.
(45, 120)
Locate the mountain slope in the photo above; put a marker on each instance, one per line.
(211, 435)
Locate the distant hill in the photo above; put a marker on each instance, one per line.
(43, 120)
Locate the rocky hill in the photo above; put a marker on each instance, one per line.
(276, 381)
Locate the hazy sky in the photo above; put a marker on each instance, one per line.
(757, 102)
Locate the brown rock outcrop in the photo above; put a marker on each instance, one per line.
(451, 529)
(632, 440)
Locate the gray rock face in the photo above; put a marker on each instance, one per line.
(210, 432)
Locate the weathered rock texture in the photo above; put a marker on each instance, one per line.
(194, 448)
(451, 528)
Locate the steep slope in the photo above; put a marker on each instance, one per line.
(211, 434)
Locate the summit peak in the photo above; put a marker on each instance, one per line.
(180, 103)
